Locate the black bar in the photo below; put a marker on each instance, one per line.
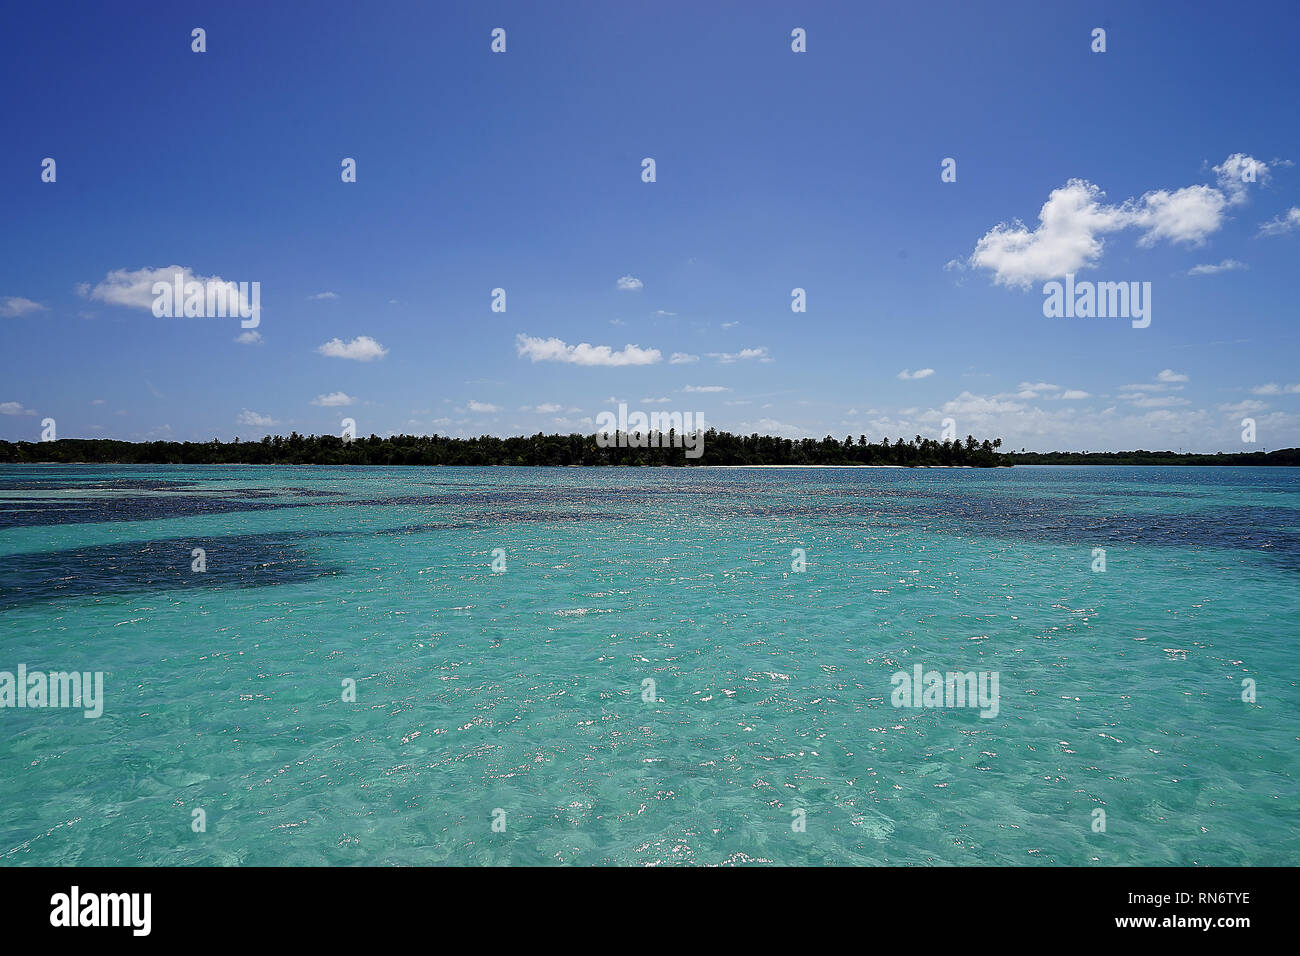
(949, 906)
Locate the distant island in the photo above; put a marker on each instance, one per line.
(718, 448)
(1280, 456)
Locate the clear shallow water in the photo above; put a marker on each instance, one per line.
(523, 690)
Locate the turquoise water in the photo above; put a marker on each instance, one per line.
(522, 691)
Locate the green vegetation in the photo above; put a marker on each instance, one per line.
(720, 448)
(1282, 456)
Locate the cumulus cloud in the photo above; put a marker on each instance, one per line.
(1169, 375)
(629, 283)
(247, 417)
(361, 349)
(1185, 215)
(908, 375)
(1068, 237)
(556, 350)
(483, 407)
(15, 306)
(333, 400)
(251, 337)
(683, 358)
(133, 288)
(15, 408)
(1236, 172)
(1073, 224)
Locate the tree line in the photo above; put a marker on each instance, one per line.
(720, 448)
(1281, 456)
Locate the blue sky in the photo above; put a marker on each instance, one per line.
(774, 170)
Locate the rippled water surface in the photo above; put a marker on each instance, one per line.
(522, 691)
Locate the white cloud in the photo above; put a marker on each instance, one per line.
(1035, 389)
(361, 349)
(483, 407)
(320, 296)
(1184, 215)
(1169, 422)
(1068, 237)
(16, 305)
(770, 426)
(1289, 221)
(1149, 387)
(247, 417)
(333, 400)
(662, 314)
(1075, 219)
(730, 325)
(1158, 401)
(979, 405)
(1169, 375)
(1207, 269)
(908, 375)
(683, 358)
(556, 350)
(655, 401)
(134, 288)
(726, 358)
(15, 408)
(1245, 407)
(1074, 394)
(629, 283)
(1272, 388)
(546, 408)
(706, 388)
(1232, 175)
(251, 337)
